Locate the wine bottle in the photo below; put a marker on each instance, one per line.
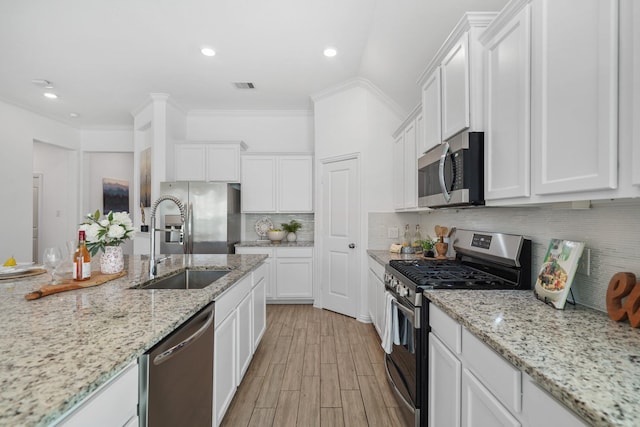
(81, 259)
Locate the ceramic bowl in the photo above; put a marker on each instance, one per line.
(276, 236)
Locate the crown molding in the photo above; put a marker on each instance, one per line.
(360, 82)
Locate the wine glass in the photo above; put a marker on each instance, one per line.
(52, 259)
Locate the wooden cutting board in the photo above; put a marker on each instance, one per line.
(97, 278)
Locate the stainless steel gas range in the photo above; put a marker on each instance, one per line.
(484, 260)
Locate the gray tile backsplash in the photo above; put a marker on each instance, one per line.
(611, 230)
(305, 234)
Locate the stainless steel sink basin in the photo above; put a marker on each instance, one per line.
(187, 279)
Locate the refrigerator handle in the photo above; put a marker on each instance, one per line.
(188, 248)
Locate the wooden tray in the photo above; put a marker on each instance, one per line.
(97, 278)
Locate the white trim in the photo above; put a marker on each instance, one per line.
(360, 82)
(247, 113)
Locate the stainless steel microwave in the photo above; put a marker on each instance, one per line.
(452, 174)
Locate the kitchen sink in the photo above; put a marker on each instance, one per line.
(187, 279)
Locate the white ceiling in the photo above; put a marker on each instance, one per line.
(104, 58)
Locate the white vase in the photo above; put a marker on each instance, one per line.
(112, 260)
(291, 237)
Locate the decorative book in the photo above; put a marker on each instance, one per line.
(557, 272)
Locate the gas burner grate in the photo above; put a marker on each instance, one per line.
(446, 274)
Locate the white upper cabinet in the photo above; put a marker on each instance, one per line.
(190, 162)
(405, 161)
(507, 139)
(455, 88)
(295, 184)
(205, 161)
(574, 95)
(259, 183)
(431, 101)
(452, 84)
(634, 17)
(277, 183)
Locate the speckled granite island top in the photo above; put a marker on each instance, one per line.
(57, 349)
(587, 361)
(269, 244)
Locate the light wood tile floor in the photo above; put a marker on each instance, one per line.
(315, 368)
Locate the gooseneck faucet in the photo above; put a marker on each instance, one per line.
(152, 251)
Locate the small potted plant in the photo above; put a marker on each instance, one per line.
(291, 228)
(427, 247)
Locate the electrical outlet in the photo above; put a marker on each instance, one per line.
(393, 233)
(584, 265)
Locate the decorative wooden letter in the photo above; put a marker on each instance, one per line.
(624, 285)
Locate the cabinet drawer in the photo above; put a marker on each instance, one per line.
(377, 268)
(112, 405)
(259, 274)
(255, 251)
(497, 374)
(294, 252)
(228, 301)
(447, 329)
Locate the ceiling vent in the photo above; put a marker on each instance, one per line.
(244, 85)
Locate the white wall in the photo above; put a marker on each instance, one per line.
(58, 219)
(107, 165)
(262, 131)
(18, 131)
(356, 118)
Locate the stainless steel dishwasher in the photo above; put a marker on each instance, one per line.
(176, 376)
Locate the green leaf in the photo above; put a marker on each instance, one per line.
(96, 214)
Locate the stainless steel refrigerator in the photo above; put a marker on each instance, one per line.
(213, 220)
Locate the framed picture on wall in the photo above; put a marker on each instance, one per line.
(145, 178)
(115, 195)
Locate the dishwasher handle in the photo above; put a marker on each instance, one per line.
(168, 354)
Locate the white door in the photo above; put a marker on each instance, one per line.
(340, 236)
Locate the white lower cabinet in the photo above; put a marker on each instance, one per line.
(113, 404)
(480, 407)
(444, 385)
(245, 337)
(224, 366)
(539, 408)
(294, 272)
(472, 385)
(259, 315)
(240, 320)
(290, 276)
(376, 295)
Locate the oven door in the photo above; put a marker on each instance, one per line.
(401, 363)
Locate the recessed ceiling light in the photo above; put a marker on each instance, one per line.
(50, 95)
(74, 115)
(330, 52)
(41, 82)
(207, 51)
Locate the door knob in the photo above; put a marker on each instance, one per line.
(352, 245)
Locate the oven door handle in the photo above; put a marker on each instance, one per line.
(443, 160)
(405, 310)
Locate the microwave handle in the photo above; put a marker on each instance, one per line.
(443, 159)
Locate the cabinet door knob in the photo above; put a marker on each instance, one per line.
(352, 245)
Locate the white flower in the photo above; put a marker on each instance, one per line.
(115, 232)
(92, 232)
(109, 230)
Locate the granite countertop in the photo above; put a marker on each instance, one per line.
(585, 360)
(58, 349)
(268, 244)
(383, 257)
